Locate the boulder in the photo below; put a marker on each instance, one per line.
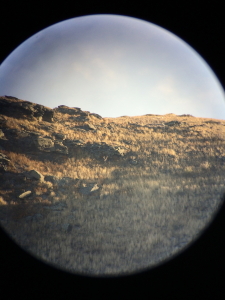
(25, 194)
(68, 110)
(59, 148)
(60, 136)
(20, 140)
(102, 149)
(48, 115)
(52, 179)
(43, 143)
(27, 141)
(46, 144)
(33, 174)
(72, 143)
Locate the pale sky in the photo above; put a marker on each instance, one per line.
(113, 66)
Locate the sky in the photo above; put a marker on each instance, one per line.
(112, 65)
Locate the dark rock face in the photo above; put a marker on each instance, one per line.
(46, 144)
(26, 141)
(43, 144)
(26, 109)
(11, 97)
(72, 143)
(51, 178)
(100, 150)
(59, 136)
(68, 110)
(60, 148)
(48, 115)
(34, 174)
(30, 142)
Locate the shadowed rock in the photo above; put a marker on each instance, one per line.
(60, 148)
(44, 143)
(68, 110)
(4, 162)
(11, 97)
(20, 109)
(33, 174)
(51, 178)
(60, 136)
(102, 149)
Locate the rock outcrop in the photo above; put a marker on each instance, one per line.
(102, 149)
(70, 110)
(23, 130)
(11, 106)
(34, 142)
(34, 174)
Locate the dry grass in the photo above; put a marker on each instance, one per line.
(160, 203)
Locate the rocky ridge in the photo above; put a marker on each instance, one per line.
(47, 143)
(28, 141)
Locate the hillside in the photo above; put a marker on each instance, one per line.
(106, 196)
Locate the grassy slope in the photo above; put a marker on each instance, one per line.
(153, 201)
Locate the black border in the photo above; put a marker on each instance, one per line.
(195, 273)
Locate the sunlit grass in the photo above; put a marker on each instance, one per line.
(165, 187)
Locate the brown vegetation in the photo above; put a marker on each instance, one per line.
(167, 186)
